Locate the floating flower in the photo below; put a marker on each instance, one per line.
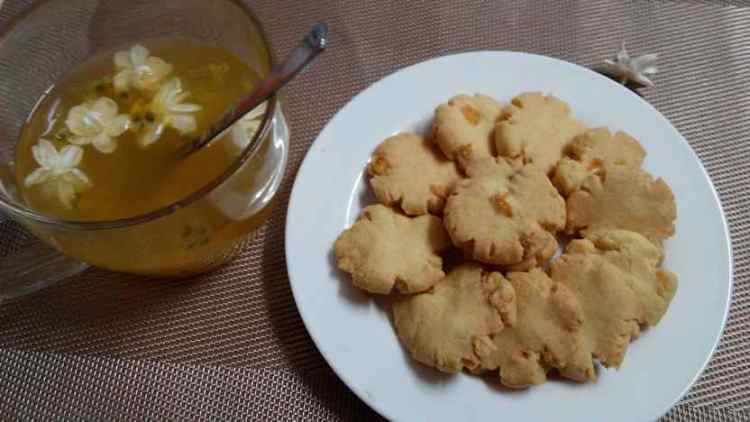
(136, 68)
(97, 123)
(58, 173)
(244, 130)
(636, 69)
(168, 110)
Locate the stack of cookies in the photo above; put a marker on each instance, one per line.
(506, 186)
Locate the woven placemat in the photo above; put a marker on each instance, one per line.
(231, 345)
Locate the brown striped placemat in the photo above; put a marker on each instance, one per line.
(231, 345)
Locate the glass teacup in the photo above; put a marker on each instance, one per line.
(192, 235)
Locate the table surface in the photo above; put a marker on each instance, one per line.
(231, 344)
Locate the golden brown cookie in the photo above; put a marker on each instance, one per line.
(615, 276)
(409, 171)
(621, 197)
(463, 127)
(443, 327)
(548, 334)
(384, 249)
(593, 151)
(505, 216)
(535, 129)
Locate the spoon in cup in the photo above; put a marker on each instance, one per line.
(309, 48)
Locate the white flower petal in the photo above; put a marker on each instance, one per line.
(170, 90)
(643, 80)
(70, 156)
(138, 55)
(257, 112)
(104, 144)
(159, 101)
(118, 125)
(77, 179)
(122, 60)
(185, 108)
(159, 68)
(78, 122)
(121, 80)
(145, 79)
(81, 140)
(650, 70)
(622, 56)
(45, 153)
(251, 127)
(183, 124)
(177, 97)
(86, 119)
(646, 63)
(245, 129)
(106, 107)
(65, 193)
(40, 175)
(151, 134)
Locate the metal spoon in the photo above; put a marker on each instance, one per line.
(312, 45)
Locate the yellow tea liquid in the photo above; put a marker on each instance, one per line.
(135, 179)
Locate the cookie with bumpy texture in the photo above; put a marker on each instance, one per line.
(384, 250)
(615, 276)
(410, 172)
(594, 151)
(548, 334)
(463, 126)
(443, 327)
(620, 197)
(505, 216)
(535, 129)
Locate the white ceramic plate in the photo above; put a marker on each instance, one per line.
(355, 334)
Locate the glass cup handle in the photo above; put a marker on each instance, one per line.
(35, 266)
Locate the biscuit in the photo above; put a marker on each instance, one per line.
(535, 130)
(410, 172)
(505, 216)
(443, 327)
(620, 197)
(615, 277)
(593, 151)
(385, 249)
(548, 334)
(463, 126)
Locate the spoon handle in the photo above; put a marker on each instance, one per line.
(312, 45)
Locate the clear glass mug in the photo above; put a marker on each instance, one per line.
(193, 235)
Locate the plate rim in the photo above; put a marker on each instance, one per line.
(314, 149)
